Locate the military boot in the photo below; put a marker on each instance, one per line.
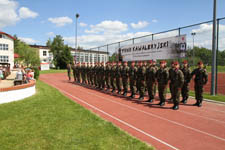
(150, 100)
(161, 103)
(124, 93)
(132, 95)
(175, 107)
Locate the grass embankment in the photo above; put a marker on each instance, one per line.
(221, 69)
(220, 98)
(53, 71)
(49, 120)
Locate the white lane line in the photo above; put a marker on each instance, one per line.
(151, 114)
(117, 119)
(201, 116)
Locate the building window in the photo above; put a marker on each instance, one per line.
(91, 58)
(81, 57)
(44, 53)
(4, 47)
(0, 35)
(4, 59)
(95, 57)
(86, 57)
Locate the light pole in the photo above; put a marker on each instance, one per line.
(193, 35)
(77, 16)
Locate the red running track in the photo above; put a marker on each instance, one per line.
(189, 128)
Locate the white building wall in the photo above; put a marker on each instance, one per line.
(10, 51)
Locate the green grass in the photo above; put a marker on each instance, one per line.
(220, 98)
(221, 69)
(53, 71)
(51, 121)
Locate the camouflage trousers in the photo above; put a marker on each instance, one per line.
(74, 76)
(141, 86)
(185, 91)
(133, 86)
(119, 83)
(125, 84)
(151, 86)
(162, 89)
(176, 91)
(113, 83)
(198, 92)
(78, 77)
(107, 79)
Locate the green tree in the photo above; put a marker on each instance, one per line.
(28, 56)
(61, 53)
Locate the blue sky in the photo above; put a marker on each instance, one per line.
(100, 21)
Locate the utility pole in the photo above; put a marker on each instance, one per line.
(193, 53)
(213, 74)
(77, 16)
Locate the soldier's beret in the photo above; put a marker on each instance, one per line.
(176, 63)
(162, 62)
(200, 63)
(133, 62)
(150, 61)
(185, 62)
(140, 62)
(172, 62)
(125, 62)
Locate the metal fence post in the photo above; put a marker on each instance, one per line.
(213, 72)
(217, 50)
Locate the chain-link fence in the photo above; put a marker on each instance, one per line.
(199, 47)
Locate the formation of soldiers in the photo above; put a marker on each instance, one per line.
(142, 77)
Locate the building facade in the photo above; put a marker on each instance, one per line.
(89, 56)
(6, 49)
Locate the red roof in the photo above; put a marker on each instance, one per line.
(16, 55)
(11, 37)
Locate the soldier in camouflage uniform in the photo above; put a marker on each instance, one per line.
(171, 73)
(107, 75)
(87, 72)
(133, 79)
(113, 76)
(78, 68)
(187, 76)
(201, 78)
(119, 77)
(83, 73)
(95, 70)
(102, 76)
(125, 76)
(69, 71)
(99, 75)
(162, 76)
(141, 79)
(176, 85)
(151, 80)
(74, 72)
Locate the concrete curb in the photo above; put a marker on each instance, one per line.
(211, 101)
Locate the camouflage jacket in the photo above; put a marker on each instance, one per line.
(162, 75)
(201, 76)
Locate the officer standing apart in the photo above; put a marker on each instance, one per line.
(69, 71)
(201, 78)
(141, 80)
(176, 85)
(162, 76)
(187, 76)
(133, 79)
(125, 76)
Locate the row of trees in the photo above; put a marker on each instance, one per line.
(205, 55)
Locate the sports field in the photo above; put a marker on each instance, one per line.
(188, 128)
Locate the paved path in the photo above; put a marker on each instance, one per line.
(190, 128)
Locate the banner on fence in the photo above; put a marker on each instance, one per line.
(165, 48)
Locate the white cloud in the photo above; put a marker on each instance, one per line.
(154, 20)
(8, 15)
(203, 37)
(28, 40)
(25, 12)
(83, 24)
(60, 21)
(93, 40)
(139, 25)
(50, 34)
(108, 26)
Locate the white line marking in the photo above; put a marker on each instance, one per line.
(201, 116)
(117, 119)
(151, 114)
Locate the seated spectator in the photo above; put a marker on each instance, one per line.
(32, 73)
(29, 76)
(19, 75)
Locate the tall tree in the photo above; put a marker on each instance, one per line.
(61, 53)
